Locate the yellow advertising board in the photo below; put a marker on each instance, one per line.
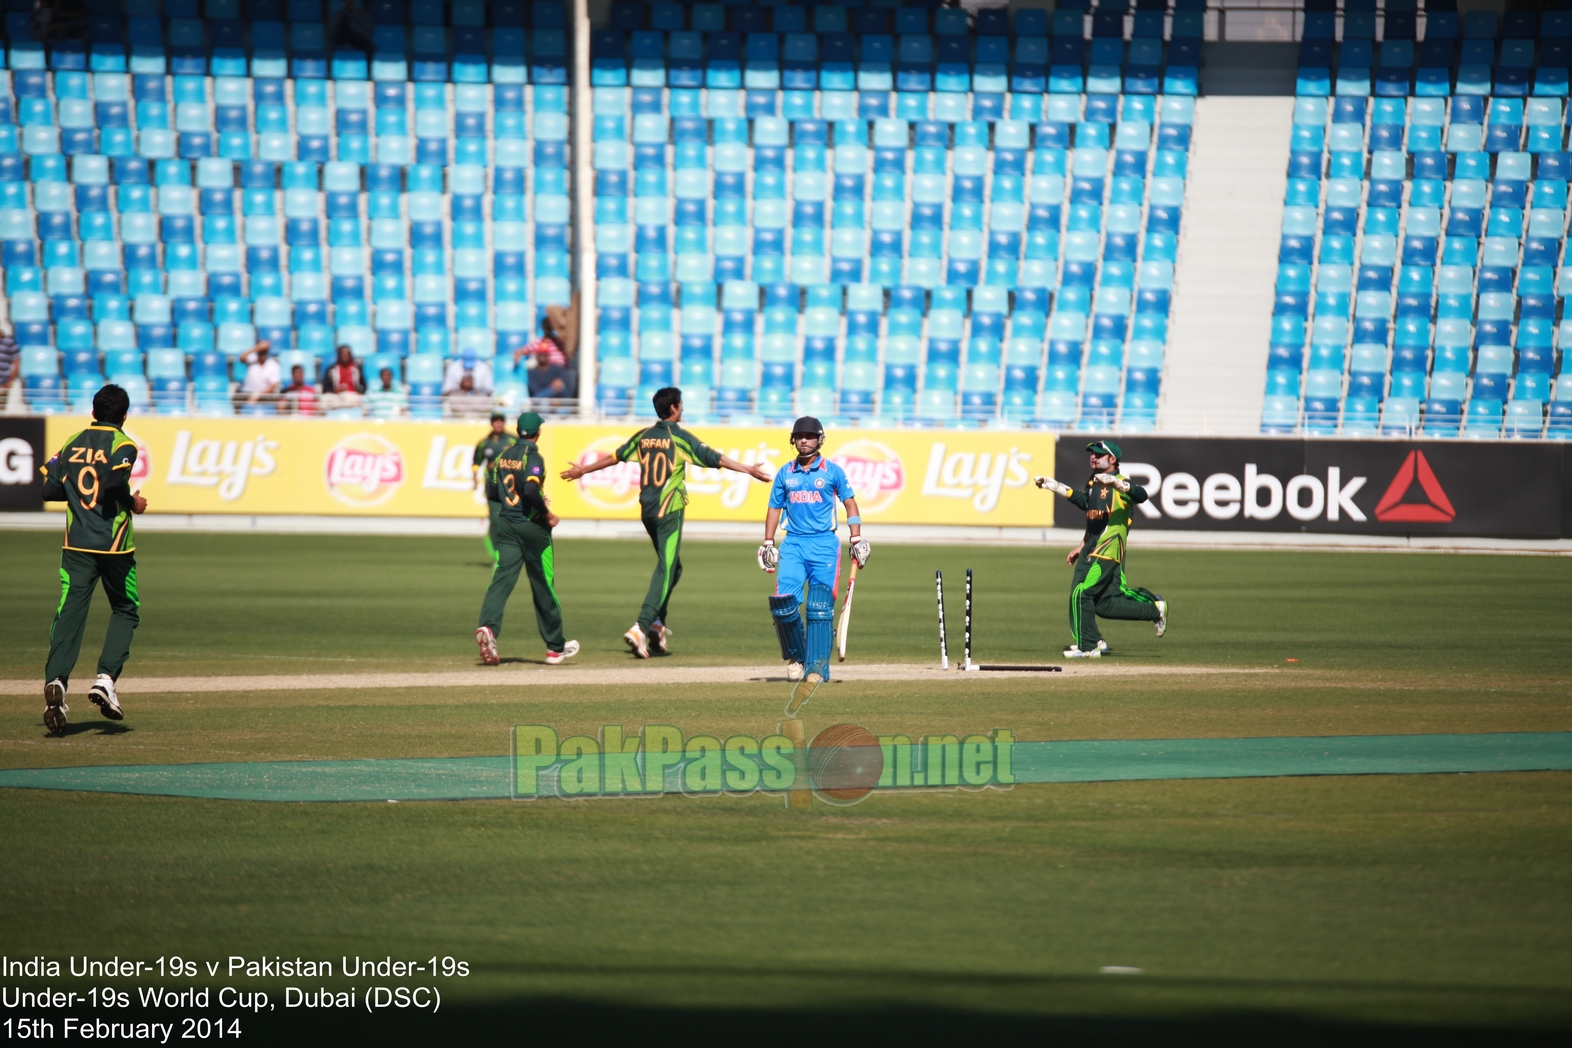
(261, 466)
(900, 476)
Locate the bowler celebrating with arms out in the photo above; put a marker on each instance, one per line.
(1099, 587)
(806, 490)
(663, 452)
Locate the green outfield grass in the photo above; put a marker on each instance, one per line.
(298, 604)
(1389, 909)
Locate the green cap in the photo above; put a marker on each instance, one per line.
(530, 422)
(499, 414)
(1103, 447)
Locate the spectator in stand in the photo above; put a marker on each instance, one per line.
(8, 361)
(472, 367)
(300, 396)
(565, 323)
(388, 399)
(342, 384)
(549, 377)
(549, 342)
(263, 377)
(465, 401)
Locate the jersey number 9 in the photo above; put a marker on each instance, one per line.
(87, 486)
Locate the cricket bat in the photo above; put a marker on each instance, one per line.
(840, 633)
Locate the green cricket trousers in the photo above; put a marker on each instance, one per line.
(80, 574)
(494, 509)
(1100, 589)
(527, 546)
(666, 533)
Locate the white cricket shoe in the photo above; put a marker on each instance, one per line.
(636, 640)
(557, 658)
(794, 671)
(658, 638)
(55, 708)
(1102, 646)
(1162, 616)
(1077, 653)
(488, 646)
(103, 695)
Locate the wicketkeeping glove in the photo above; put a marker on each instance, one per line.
(859, 551)
(1054, 486)
(769, 557)
(1116, 481)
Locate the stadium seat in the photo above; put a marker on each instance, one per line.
(419, 203)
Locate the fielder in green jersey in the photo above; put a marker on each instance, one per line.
(91, 474)
(486, 452)
(523, 537)
(1099, 587)
(663, 452)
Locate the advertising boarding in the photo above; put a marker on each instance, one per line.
(263, 466)
(21, 453)
(1347, 487)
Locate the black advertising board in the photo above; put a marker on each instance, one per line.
(21, 453)
(1348, 487)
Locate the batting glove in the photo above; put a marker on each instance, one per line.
(859, 551)
(1054, 486)
(1116, 481)
(769, 557)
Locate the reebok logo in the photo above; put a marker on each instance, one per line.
(1260, 496)
(1415, 487)
(1437, 509)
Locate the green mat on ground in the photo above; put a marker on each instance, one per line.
(470, 778)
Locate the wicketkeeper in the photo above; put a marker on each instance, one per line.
(1100, 587)
(91, 474)
(523, 538)
(806, 490)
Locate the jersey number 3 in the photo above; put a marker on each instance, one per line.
(512, 497)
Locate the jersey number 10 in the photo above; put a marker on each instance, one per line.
(656, 469)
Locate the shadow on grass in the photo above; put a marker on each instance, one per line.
(100, 727)
(588, 1022)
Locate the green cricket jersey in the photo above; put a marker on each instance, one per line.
(663, 452)
(518, 475)
(1107, 517)
(487, 451)
(92, 475)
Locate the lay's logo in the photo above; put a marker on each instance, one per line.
(142, 468)
(615, 487)
(876, 473)
(364, 470)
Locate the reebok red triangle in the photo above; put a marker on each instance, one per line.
(1438, 510)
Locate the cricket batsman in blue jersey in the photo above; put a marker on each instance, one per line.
(805, 490)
